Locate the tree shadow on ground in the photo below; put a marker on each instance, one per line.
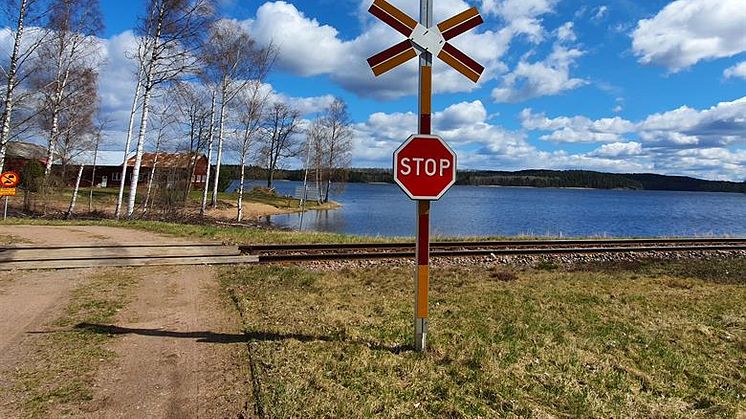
(228, 338)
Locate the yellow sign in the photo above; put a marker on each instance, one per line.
(7, 191)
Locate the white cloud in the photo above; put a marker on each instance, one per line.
(614, 150)
(566, 33)
(688, 31)
(601, 12)
(722, 125)
(738, 70)
(521, 16)
(543, 78)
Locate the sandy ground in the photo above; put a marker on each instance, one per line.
(28, 301)
(250, 210)
(180, 350)
(56, 235)
(177, 354)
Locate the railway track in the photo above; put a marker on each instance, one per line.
(22, 257)
(360, 251)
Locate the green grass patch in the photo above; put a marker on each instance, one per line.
(653, 340)
(62, 367)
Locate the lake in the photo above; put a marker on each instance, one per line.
(384, 210)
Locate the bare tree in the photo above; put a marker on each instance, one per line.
(71, 116)
(279, 140)
(170, 33)
(250, 106)
(77, 128)
(98, 139)
(69, 48)
(315, 134)
(13, 74)
(337, 144)
(232, 61)
(210, 138)
(164, 121)
(128, 144)
(193, 116)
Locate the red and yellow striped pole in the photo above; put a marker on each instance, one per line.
(422, 274)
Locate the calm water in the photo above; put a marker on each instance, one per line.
(383, 210)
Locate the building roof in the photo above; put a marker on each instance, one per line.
(170, 160)
(24, 150)
(103, 158)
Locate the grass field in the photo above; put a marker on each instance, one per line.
(655, 339)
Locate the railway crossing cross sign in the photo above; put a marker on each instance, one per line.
(424, 152)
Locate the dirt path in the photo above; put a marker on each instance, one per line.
(180, 351)
(179, 356)
(56, 235)
(28, 301)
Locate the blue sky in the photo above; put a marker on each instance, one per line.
(613, 85)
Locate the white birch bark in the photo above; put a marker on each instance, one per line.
(206, 190)
(127, 145)
(220, 147)
(13, 69)
(74, 198)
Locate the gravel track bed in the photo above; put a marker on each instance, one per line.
(529, 260)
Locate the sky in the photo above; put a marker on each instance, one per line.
(610, 85)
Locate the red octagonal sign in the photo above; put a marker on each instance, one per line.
(425, 167)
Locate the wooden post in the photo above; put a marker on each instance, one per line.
(422, 272)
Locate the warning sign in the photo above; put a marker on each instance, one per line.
(9, 180)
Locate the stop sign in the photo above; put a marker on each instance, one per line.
(425, 167)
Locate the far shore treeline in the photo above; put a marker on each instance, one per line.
(526, 178)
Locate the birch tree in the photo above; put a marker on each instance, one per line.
(250, 106)
(164, 121)
(232, 61)
(77, 128)
(70, 46)
(193, 118)
(279, 140)
(21, 12)
(170, 34)
(336, 144)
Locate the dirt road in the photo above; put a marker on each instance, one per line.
(179, 350)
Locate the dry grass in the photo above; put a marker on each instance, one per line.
(649, 340)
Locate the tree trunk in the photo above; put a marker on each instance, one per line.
(148, 85)
(150, 181)
(56, 105)
(13, 69)
(74, 198)
(239, 216)
(209, 155)
(93, 175)
(128, 143)
(220, 148)
(140, 151)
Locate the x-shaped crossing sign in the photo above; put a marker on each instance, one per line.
(420, 40)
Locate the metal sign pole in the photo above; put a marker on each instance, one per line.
(5, 211)
(422, 274)
(426, 40)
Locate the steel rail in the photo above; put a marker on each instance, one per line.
(254, 248)
(300, 257)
